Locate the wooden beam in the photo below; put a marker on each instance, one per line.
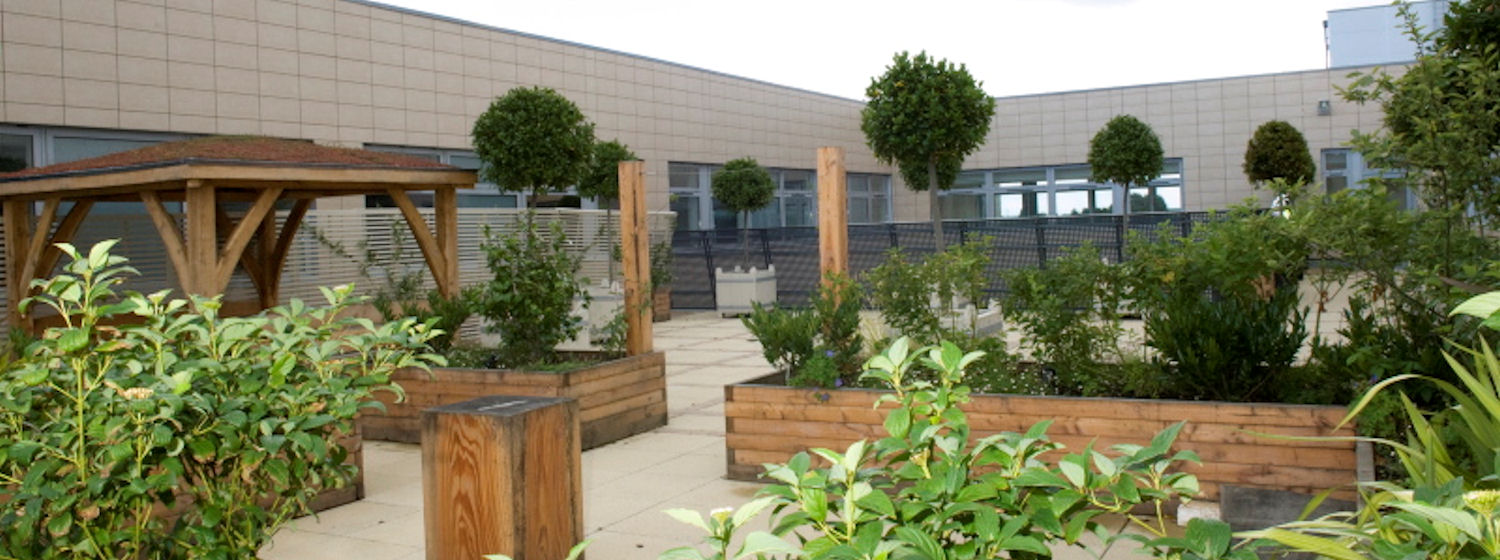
(235, 244)
(277, 261)
(436, 262)
(64, 234)
(367, 179)
(171, 238)
(224, 225)
(833, 212)
(202, 238)
(17, 220)
(40, 233)
(445, 206)
(635, 244)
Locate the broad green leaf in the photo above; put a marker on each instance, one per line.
(761, 542)
(689, 517)
(1316, 545)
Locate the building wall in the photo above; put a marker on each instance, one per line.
(349, 73)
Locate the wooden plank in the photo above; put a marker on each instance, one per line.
(235, 243)
(833, 211)
(635, 244)
(622, 406)
(202, 239)
(17, 218)
(425, 240)
(445, 208)
(64, 234)
(171, 237)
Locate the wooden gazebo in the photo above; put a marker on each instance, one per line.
(205, 173)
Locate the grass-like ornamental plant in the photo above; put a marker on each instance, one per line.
(930, 490)
(144, 427)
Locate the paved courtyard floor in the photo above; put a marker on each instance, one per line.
(626, 484)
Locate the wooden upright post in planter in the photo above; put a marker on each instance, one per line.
(833, 211)
(501, 475)
(635, 244)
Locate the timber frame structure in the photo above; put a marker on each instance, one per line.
(204, 174)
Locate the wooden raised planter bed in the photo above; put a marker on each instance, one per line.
(766, 422)
(616, 399)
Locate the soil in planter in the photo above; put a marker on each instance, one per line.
(483, 357)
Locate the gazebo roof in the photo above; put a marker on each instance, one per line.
(236, 161)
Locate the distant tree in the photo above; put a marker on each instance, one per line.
(1125, 152)
(533, 140)
(602, 182)
(1277, 150)
(744, 186)
(1442, 116)
(925, 116)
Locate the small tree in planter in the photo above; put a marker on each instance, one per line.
(926, 116)
(744, 186)
(1277, 157)
(1125, 152)
(533, 140)
(529, 299)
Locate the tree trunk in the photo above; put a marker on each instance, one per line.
(938, 240)
(614, 240)
(745, 237)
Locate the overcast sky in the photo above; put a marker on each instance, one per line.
(1013, 46)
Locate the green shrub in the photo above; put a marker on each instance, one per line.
(529, 299)
(233, 419)
(1069, 314)
(904, 291)
(928, 491)
(817, 346)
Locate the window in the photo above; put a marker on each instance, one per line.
(795, 203)
(1059, 190)
(869, 198)
(16, 152)
(1345, 169)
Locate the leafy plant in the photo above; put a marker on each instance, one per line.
(183, 434)
(602, 183)
(743, 186)
(529, 299)
(818, 346)
(1069, 312)
(926, 115)
(928, 490)
(905, 292)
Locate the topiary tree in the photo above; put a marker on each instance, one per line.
(1125, 152)
(602, 182)
(925, 116)
(744, 186)
(533, 140)
(1277, 155)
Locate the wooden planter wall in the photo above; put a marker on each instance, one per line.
(616, 399)
(769, 424)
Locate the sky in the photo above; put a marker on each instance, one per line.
(1014, 47)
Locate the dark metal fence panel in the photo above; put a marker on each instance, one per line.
(1012, 243)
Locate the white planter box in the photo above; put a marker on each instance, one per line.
(735, 290)
(606, 302)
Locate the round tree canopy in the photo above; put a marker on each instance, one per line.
(1278, 151)
(533, 139)
(1125, 152)
(925, 110)
(743, 185)
(603, 179)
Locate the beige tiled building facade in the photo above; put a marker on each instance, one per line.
(85, 77)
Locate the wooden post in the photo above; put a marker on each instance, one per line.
(202, 239)
(17, 234)
(501, 475)
(635, 244)
(446, 225)
(833, 211)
